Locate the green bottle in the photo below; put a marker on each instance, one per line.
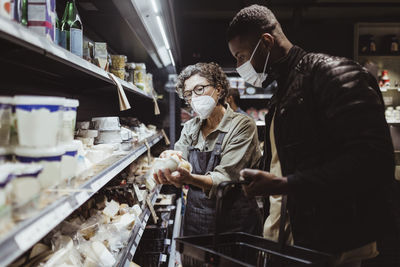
(75, 37)
(57, 31)
(24, 12)
(64, 27)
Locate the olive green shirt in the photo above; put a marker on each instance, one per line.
(240, 147)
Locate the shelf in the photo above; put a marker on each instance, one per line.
(30, 231)
(258, 96)
(175, 233)
(40, 55)
(129, 251)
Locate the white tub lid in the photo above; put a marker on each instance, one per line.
(6, 100)
(6, 151)
(39, 100)
(71, 103)
(39, 152)
(105, 118)
(8, 171)
(72, 146)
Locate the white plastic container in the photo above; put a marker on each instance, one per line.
(24, 183)
(69, 120)
(106, 123)
(39, 120)
(49, 158)
(6, 103)
(108, 137)
(69, 160)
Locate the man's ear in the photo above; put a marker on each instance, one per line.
(268, 40)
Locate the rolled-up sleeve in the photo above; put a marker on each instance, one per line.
(241, 151)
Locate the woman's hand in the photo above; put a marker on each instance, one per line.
(178, 177)
(169, 153)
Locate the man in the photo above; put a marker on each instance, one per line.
(233, 99)
(328, 149)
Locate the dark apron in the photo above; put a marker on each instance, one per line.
(242, 214)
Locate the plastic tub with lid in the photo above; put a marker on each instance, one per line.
(69, 120)
(25, 189)
(39, 120)
(49, 158)
(6, 103)
(106, 123)
(69, 160)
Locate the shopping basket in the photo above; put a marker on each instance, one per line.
(242, 249)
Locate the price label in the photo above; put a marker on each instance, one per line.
(171, 222)
(146, 217)
(163, 258)
(167, 241)
(34, 232)
(138, 193)
(140, 233)
(82, 197)
(167, 142)
(99, 183)
(137, 239)
(133, 250)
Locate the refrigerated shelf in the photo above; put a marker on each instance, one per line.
(127, 254)
(30, 231)
(52, 60)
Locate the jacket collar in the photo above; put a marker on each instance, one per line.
(281, 68)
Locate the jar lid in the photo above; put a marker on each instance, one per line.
(71, 103)
(39, 152)
(6, 100)
(39, 100)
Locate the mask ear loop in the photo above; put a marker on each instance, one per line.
(255, 49)
(266, 61)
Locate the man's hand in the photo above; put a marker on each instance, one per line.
(263, 183)
(178, 177)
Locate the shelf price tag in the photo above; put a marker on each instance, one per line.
(148, 149)
(138, 193)
(153, 212)
(167, 142)
(163, 258)
(137, 239)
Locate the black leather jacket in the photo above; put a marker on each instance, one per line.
(334, 147)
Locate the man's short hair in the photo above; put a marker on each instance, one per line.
(253, 20)
(235, 94)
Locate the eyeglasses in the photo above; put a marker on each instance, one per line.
(198, 90)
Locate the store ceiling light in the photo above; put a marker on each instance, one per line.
(164, 36)
(155, 8)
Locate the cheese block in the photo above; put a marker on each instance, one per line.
(137, 210)
(111, 208)
(104, 256)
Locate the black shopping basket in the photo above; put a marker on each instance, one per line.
(242, 249)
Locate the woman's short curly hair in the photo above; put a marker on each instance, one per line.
(211, 71)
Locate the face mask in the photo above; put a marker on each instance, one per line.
(249, 74)
(203, 105)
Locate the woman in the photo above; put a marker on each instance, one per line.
(218, 143)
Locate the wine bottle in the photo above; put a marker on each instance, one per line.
(24, 12)
(76, 31)
(64, 27)
(57, 30)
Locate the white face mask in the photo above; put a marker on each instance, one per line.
(249, 74)
(203, 105)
